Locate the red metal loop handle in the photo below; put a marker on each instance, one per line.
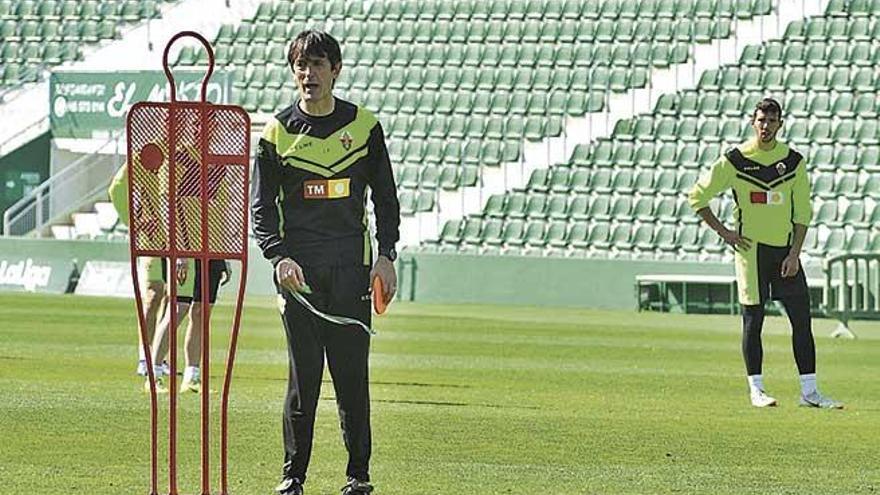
(167, 69)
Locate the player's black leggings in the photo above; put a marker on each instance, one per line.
(798, 310)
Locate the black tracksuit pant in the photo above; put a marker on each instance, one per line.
(341, 291)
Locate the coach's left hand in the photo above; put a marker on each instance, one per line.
(384, 269)
(790, 265)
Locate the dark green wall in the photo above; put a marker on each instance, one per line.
(22, 169)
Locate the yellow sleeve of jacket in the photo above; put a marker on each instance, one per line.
(118, 193)
(803, 209)
(711, 184)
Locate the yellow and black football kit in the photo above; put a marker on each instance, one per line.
(310, 184)
(771, 190)
(309, 194)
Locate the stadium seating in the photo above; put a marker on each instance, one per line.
(624, 196)
(37, 34)
(463, 84)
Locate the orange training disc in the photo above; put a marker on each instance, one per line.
(379, 304)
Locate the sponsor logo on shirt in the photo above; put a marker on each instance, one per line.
(327, 189)
(767, 197)
(780, 168)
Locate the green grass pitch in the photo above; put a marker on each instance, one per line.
(470, 400)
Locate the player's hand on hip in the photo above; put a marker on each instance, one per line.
(739, 242)
(290, 275)
(790, 265)
(384, 269)
(181, 270)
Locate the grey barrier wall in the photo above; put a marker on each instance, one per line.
(45, 265)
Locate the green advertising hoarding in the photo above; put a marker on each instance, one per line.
(94, 104)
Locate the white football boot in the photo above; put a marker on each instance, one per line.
(761, 399)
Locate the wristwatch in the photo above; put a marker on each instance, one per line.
(391, 254)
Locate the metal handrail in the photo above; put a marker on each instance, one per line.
(852, 289)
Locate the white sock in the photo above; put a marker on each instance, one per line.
(756, 383)
(141, 356)
(191, 373)
(808, 384)
(158, 370)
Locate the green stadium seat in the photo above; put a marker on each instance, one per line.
(644, 155)
(571, 9)
(665, 183)
(872, 217)
(449, 176)
(869, 158)
(859, 242)
(407, 201)
(556, 235)
(469, 176)
(622, 207)
(643, 209)
(665, 129)
(823, 187)
(536, 206)
(600, 208)
(559, 180)
(854, 214)
(52, 53)
(451, 232)
(687, 130)
(534, 235)
(815, 55)
(621, 237)
(688, 238)
(492, 233)
(470, 232)
(31, 52)
(822, 158)
(665, 210)
(709, 153)
(797, 132)
(557, 207)
(827, 213)
(429, 179)
(868, 133)
(579, 208)
(579, 235)
(847, 185)
(836, 242)
(600, 236)
(665, 155)
(538, 181)
(434, 152)
(643, 238)
(409, 177)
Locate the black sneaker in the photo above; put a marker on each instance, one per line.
(289, 486)
(357, 487)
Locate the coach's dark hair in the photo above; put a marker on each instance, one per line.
(312, 43)
(768, 105)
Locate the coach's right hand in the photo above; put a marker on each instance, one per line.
(732, 237)
(290, 275)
